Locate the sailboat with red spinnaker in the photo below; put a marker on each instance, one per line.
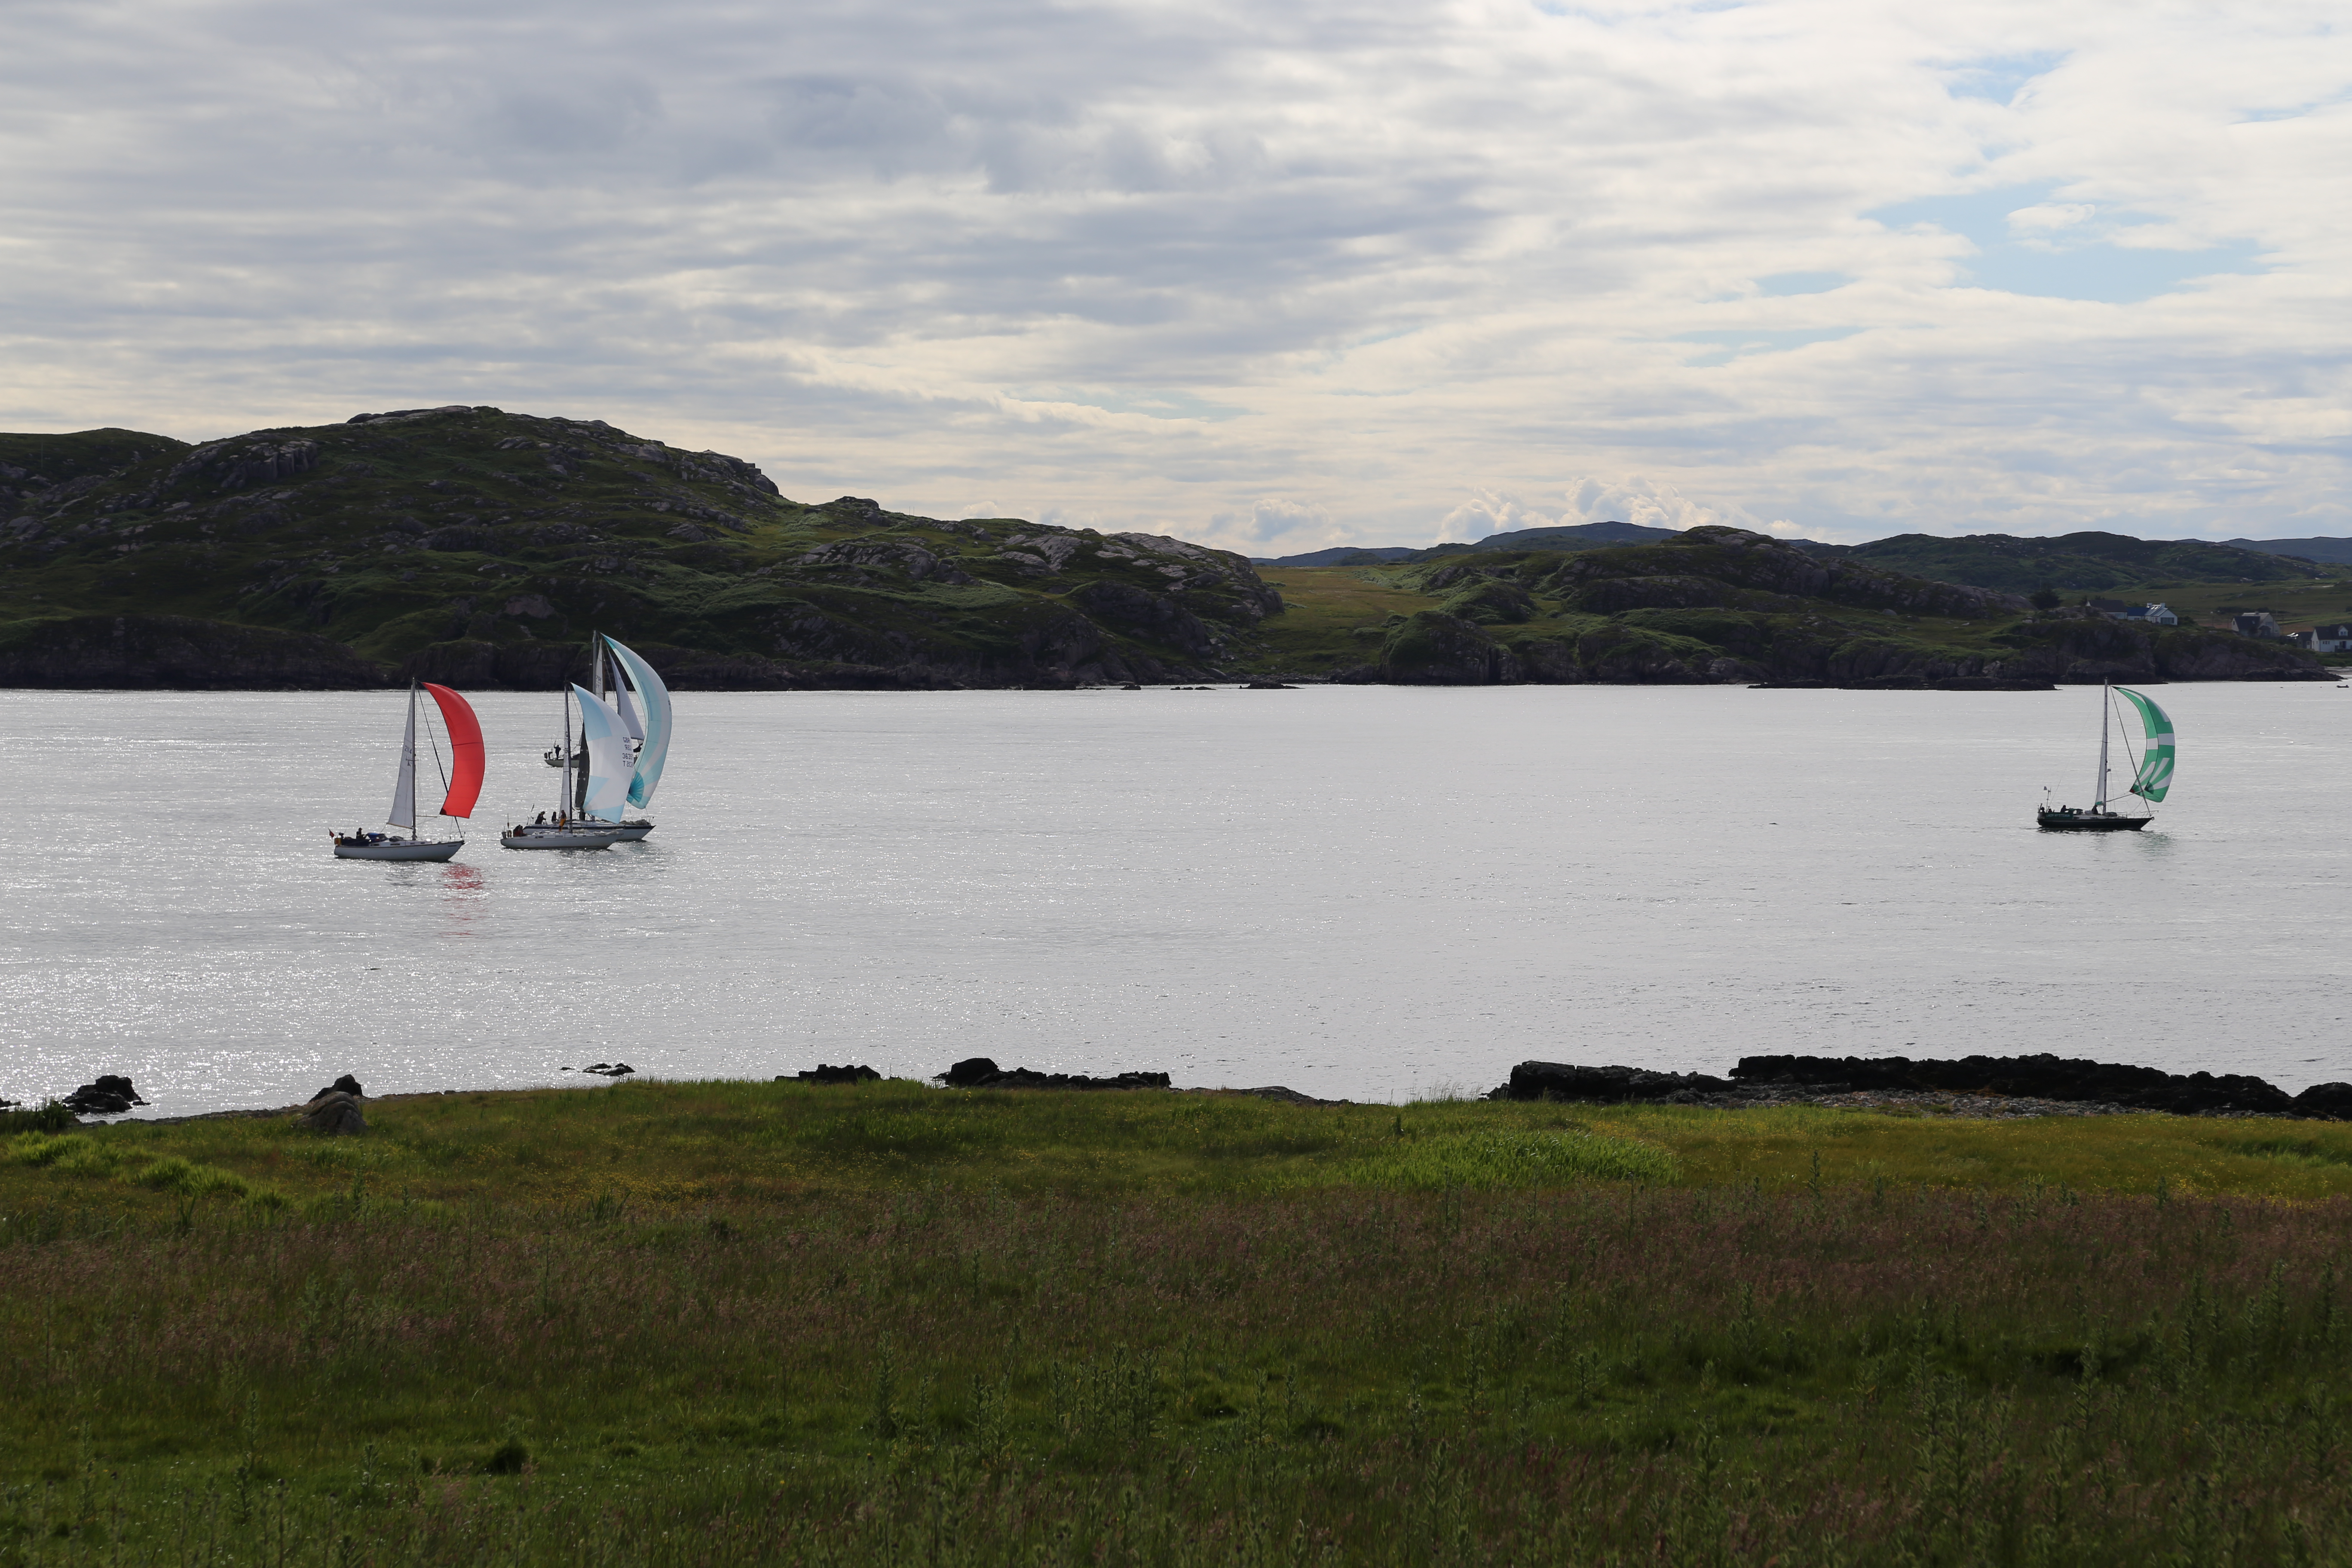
(462, 775)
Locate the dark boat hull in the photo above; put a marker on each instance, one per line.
(2084, 822)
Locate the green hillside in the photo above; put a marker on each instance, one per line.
(2088, 563)
(482, 547)
(1716, 604)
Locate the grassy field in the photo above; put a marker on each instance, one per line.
(716, 1324)
(2294, 604)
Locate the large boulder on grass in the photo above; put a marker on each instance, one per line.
(334, 1113)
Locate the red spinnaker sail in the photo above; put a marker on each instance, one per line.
(465, 749)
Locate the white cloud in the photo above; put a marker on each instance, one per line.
(1488, 512)
(1300, 526)
(1649, 503)
(2045, 219)
(1127, 260)
(1632, 498)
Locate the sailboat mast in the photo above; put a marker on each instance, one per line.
(573, 803)
(567, 755)
(2105, 702)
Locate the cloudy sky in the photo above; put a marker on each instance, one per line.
(1273, 276)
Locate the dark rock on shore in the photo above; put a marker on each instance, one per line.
(2325, 1102)
(980, 1072)
(2040, 1076)
(1024, 1078)
(109, 1094)
(610, 1070)
(1559, 1080)
(346, 1084)
(822, 1073)
(2067, 1080)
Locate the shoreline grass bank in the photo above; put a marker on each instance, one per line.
(752, 1323)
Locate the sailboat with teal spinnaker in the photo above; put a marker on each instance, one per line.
(2149, 781)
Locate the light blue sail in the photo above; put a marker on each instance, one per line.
(608, 757)
(652, 697)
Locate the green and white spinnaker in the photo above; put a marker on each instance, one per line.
(2156, 763)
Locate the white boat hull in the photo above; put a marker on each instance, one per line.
(631, 832)
(533, 837)
(400, 849)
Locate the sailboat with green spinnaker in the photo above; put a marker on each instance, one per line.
(2149, 781)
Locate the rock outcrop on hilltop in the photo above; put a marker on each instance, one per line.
(1722, 604)
(2039, 1077)
(481, 548)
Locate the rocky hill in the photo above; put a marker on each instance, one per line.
(480, 547)
(2076, 563)
(2319, 548)
(1725, 605)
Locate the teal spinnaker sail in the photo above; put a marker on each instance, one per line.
(2156, 763)
(652, 703)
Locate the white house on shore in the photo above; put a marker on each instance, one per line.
(2334, 638)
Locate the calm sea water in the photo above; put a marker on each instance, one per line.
(1361, 892)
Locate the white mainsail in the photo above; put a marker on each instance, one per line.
(403, 788)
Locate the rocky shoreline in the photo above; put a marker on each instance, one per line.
(1977, 1085)
(1973, 1088)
